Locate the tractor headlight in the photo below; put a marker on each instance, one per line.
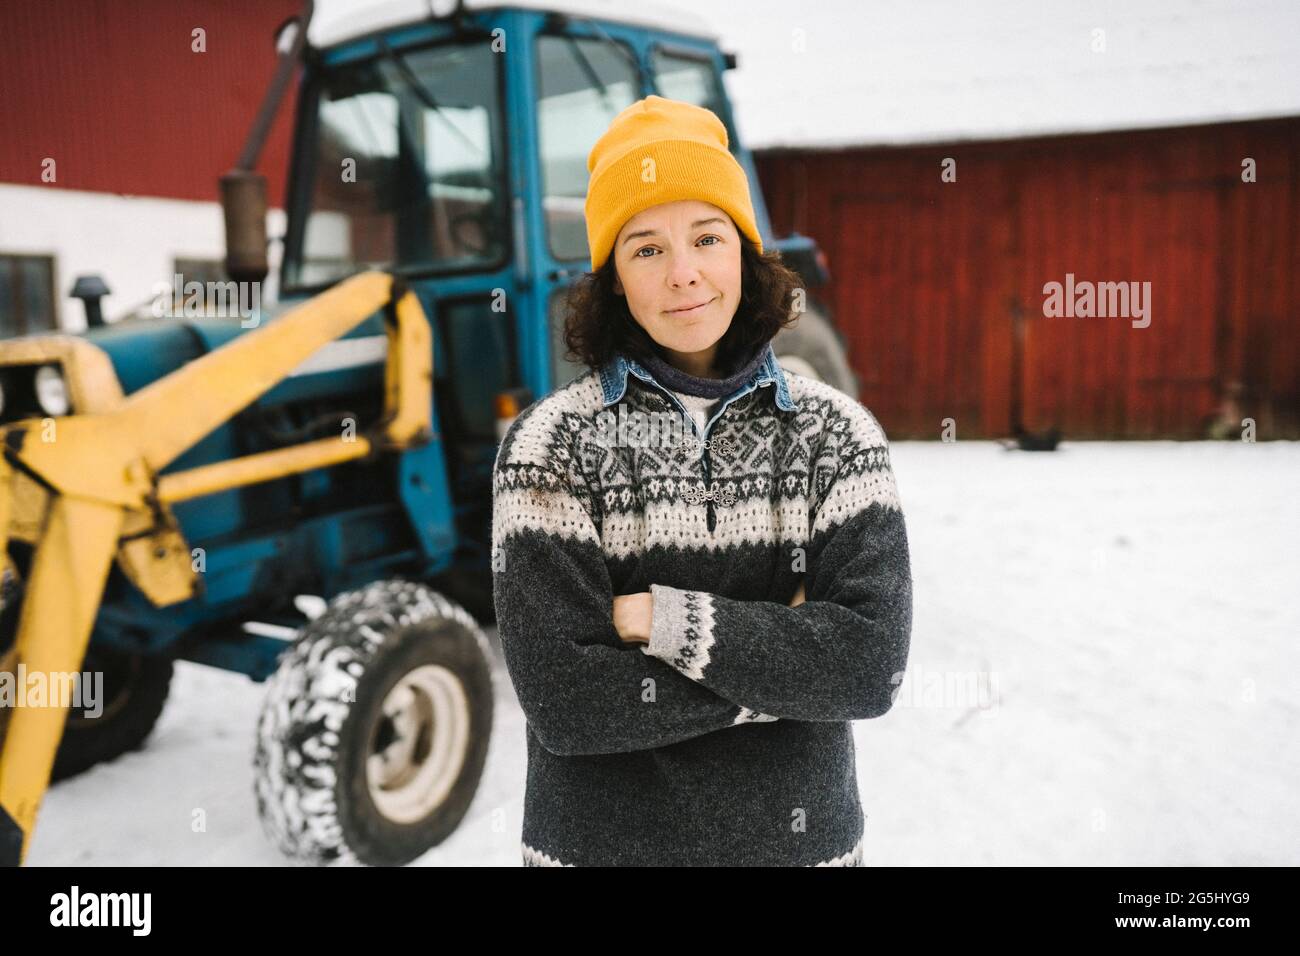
(52, 391)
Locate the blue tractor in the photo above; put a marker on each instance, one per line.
(303, 494)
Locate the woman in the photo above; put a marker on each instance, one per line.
(685, 704)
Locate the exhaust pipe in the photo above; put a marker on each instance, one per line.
(243, 190)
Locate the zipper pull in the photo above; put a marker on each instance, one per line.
(708, 486)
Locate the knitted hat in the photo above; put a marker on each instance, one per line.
(657, 151)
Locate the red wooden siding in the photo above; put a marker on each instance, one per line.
(928, 278)
(113, 93)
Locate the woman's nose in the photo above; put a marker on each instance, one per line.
(682, 270)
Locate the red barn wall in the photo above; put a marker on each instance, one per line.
(932, 280)
(113, 92)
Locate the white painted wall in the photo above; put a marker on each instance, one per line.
(132, 241)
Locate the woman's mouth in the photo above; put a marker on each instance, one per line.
(693, 310)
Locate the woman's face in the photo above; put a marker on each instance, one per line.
(673, 256)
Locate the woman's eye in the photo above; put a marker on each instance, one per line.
(651, 249)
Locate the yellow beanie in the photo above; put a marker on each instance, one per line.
(657, 151)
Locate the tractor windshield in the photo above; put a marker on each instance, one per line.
(400, 167)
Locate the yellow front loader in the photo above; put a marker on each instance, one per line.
(85, 490)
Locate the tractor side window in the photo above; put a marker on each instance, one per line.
(351, 221)
(691, 79)
(583, 84)
(405, 166)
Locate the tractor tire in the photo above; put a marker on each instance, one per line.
(135, 691)
(813, 347)
(375, 728)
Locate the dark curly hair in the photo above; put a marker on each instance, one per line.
(599, 326)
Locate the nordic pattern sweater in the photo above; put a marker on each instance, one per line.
(726, 740)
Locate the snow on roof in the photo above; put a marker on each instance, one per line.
(836, 73)
(337, 20)
(848, 73)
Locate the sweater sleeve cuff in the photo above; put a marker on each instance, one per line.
(681, 629)
(682, 636)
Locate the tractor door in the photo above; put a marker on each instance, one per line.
(402, 164)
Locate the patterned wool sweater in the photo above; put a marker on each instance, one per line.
(726, 740)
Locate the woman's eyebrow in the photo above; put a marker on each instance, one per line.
(654, 232)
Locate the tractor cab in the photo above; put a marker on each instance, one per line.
(453, 152)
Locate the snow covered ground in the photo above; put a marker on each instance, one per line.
(1105, 670)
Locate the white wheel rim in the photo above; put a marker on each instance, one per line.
(413, 773)
(793, 363)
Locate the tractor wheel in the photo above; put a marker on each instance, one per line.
(375, 728)
(133, 694)
(130, 699)
(813, 347)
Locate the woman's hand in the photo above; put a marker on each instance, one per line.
(633, 617)
(634, 614)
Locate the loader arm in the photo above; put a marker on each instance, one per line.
(85, 489)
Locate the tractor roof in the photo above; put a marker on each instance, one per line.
(336, 21)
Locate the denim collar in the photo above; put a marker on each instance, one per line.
(613, 379)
